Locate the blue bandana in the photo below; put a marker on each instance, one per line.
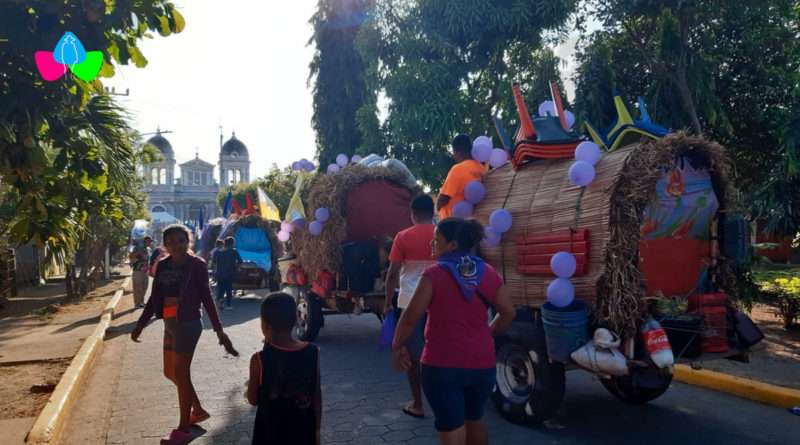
(466, 268)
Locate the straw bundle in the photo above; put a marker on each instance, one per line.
(541, 199)
(324, 251)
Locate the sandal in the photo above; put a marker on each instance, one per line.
(407, 410)
(197, 418)
(177, 437)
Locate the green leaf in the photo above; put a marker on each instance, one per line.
(180, 22)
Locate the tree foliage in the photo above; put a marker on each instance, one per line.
(65, 147)
(277, 184)
(446, 66)
(730, 70)
(344, 118)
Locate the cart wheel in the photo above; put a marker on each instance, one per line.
(309, 316)
(638, 386)
(528, 389)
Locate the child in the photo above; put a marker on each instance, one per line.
(284, 379)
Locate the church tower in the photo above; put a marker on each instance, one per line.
(162, 173)
(234, 162)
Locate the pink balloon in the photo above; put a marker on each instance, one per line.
(287, 227)
(283, 236)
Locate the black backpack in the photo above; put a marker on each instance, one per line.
(360, 267)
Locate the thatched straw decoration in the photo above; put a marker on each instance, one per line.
(324, 251)
(620, 288)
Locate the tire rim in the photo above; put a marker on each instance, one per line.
(515, 378)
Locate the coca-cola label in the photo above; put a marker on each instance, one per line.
(656, 340)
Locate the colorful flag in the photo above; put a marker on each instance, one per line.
(236, 208)
(295, 209)
(226, 210)
(267, 208)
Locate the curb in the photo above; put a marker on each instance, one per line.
(48, 425)
(738, 386)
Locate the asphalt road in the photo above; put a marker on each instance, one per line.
(127, 400)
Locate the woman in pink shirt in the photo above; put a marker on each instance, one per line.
(458, 362)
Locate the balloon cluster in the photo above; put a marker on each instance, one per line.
(297, 222)
(548, 108)
(482, 151)
(341, 161)
(303, 165)
(561, 292)
(581, 173)
(499, 223)
(316, 226)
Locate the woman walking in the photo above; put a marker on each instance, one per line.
(458, 361)
(180, 286)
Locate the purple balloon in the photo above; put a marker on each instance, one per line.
(498, 158)
(286, 227)
(341, 159)
(322, 214)
(309, 167)
(560, 292)
(315, 227)
(500, 220)
(299, 223)
(474, 192)
(581, 173)
(563, 264)
(283, 236)
(482, 140)
(296, 165)
(587, 151)
(356, 159)
(491, 237)
(481, 151)
(332, 168)
(546, 107)
(569, 118)
(462, 209)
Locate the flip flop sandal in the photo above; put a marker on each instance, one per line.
(407, 410)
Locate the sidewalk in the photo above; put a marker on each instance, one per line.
(35, 350)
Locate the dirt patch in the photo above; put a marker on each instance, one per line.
(46, 299)
(25, 388)
(775, 360)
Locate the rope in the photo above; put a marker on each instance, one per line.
(502, 246)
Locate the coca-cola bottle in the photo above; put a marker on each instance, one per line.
(657, 344)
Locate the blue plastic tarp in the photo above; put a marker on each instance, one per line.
(253, 245)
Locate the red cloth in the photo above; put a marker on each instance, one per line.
(250, 209)
(457, 334)
(375, 209)
(236, 208)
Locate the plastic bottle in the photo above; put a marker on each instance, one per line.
(795, 410)
(657, 344)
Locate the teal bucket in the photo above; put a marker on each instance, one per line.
(564, 328)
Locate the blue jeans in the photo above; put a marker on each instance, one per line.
(456, 394)
(225, 286)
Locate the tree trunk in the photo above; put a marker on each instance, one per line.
(69, 281)
(688, 103)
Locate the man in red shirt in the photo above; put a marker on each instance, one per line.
(410, 255)
(465, 171)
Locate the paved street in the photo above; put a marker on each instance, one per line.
(126, 400)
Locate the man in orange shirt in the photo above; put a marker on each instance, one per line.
(465, 171)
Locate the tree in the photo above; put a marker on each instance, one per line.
(345, 118)
(63, 144)
(277, 184)
(741, 65)
(446, 67)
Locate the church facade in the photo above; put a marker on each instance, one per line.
(196, 189)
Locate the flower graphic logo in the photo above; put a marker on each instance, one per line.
(69, 53)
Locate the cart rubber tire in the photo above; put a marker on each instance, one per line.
(528, 388)
(309, 316)
(622, 388)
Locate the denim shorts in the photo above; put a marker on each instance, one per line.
(416, 343)
(456, 394)
(181, 336)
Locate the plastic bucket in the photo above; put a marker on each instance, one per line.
(565, 329)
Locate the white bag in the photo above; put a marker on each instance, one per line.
(601, 354)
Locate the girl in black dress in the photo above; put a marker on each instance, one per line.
(284, 379)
